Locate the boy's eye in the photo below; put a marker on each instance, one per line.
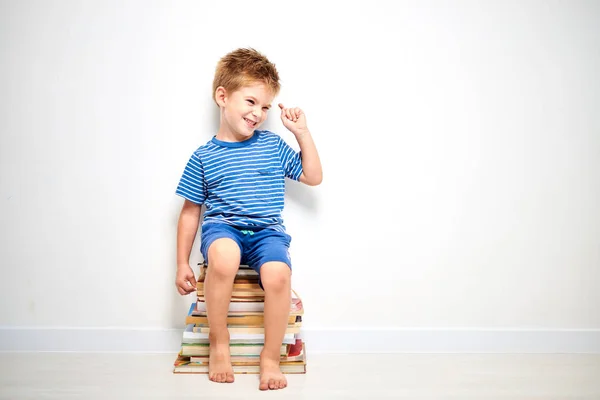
(250, 101)
(265, 108)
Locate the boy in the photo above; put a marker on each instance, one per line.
(239, 177)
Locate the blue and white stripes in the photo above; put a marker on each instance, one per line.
(241, 183)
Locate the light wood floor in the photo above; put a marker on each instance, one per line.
(359, 376)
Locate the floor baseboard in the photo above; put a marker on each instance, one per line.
(373, 340)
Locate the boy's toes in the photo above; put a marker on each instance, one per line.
(264, 385)
(229, 378)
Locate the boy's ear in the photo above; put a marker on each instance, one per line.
(220, 96)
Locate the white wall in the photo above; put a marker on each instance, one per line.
(460, 144)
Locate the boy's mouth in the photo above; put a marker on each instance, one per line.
(251, 123)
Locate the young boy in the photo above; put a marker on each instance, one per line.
(239, 177)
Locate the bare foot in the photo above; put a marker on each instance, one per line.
(270, 374)
(219, 363)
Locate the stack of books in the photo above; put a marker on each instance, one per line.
(246, 330)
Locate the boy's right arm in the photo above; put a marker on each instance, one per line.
(186, 233)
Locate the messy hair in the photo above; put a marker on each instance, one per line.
(242, 67)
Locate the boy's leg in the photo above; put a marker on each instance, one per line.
(223, 262)
(276, 280)
(267, 251)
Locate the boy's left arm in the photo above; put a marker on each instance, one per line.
(295, 121)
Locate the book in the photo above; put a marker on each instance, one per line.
(236, 349)
(243, 329)
(189, 336)
(239, 318)
(295, 365)
(295, 353)
(243, 272)
(241, 286)
(244, 286)
(243, 293)
(249, 308)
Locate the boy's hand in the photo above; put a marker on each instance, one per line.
(294, 120)
(185, 280)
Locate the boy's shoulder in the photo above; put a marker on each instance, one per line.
(204, 148)
(267, 135)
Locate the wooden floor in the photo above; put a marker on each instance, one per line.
(358, 376)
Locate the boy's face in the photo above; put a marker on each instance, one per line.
(245, 109)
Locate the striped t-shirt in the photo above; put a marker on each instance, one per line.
(241, 183)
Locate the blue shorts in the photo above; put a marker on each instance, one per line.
(256, 246)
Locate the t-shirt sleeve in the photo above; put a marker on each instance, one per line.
(191, 185)
(291, 161)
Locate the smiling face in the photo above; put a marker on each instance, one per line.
(243, 110)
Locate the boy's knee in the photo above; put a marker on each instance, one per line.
(275, 276)
(224, 257)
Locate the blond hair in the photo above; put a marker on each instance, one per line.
(242, 67)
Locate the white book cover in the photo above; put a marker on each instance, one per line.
(244, 306)
(189, 336)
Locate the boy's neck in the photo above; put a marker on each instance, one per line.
(227, 136)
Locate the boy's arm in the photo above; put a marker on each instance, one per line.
(295, 120)
(187, 228)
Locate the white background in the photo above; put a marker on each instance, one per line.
(460, 143)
